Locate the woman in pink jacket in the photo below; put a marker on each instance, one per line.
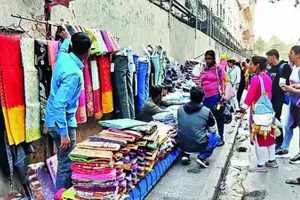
(212, 80)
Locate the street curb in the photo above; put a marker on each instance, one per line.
(224, 169)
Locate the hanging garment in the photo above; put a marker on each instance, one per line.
(53, 47)
(107, 41)
(96, 89)
(157, 70)
(70, 29)
(12, 88)
(81, 116)
(115, 45)
(102, 46)
(106, 86)
(142, 82)
(31, 84)
(44, 72)
(95, 45)
(123, 78)
(88, 90)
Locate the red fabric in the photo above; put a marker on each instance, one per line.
(88, 90)
(12, 73)
(105, 83)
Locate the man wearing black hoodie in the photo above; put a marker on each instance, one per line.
(279, 72)
(196, 129)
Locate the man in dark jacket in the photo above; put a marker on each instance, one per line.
(196, 129)
(279, 72)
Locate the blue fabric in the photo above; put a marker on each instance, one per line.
(122, 123)
(148, 182)
(66, 85)
(213, 141)
(63, 175)
(155, 61)
(142, 83)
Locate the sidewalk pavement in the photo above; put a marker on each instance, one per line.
(240, 184)
(192, 182)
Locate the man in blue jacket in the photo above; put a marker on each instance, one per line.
(197, 130)
(66, 83)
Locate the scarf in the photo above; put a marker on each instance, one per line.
(88, 90)
(106, 85)
(31, 83)
(96, 90)
(12, 88)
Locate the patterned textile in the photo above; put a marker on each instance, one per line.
(88, 90)
(44, 72)
(107, 41)
(118, 134)
(107, 138)
(81, 116)
(12, 89)
(93, 165)
(104, 146)
(135, 134)
(31, 83)
(96, 90)
(106, 84)
(95, 177)
(88, 155)
(146, 129)
(100, 171)
(52, 52)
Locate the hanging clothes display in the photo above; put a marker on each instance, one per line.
(123, 80)
(106, 85)
(107, 41)
(157, 71)
(53, 47)
(96, 89)
(31, 84)
(143, 76)
(81, 116)
(102, 46)
(44, 72)
(12, 89)
(88, 90)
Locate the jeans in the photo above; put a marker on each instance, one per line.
(123, 82)
(63, 175)
(142, 83)
(213, 141)
(155, 61)
(210, 103)
(277, 106)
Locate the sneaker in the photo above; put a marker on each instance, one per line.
(272, 164)
(202, 162)
(295, 159)
(258, 169)
(282, 152)
(185, 159)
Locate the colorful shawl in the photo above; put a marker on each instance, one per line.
(107, 41)
(52, 52)
(88, 90)
(12, 88)
(96, 89)
(81, 116)
(102, 47)
(106, 85)
(31, 83)
(115, 45)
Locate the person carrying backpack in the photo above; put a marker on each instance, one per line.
(262, 132)
(279, 72)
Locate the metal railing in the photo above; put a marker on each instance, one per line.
(212, 25)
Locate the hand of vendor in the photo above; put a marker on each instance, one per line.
(65, 142)
(64, 33)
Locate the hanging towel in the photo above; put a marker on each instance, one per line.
(106, 85)
(12, 88)
(96, 89)
(31, 83)
(88, 90)
(81, 116)
(52, 52)
(44, 72)
(107, 41)
(113, 41)
(102, 46)
(95, 45)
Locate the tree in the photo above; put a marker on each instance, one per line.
(259, 46)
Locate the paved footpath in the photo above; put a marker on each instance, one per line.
(240, 184)
(192, 183)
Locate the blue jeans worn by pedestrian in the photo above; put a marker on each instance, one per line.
(210, 103)
(63, 175)
(213, 141)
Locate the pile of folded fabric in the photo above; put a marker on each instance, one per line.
(111, 163)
